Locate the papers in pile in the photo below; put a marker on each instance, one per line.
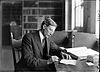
(82, 52)
(71, 62)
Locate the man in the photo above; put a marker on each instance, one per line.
(39, 52)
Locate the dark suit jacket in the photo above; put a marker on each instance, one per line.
(32, 52)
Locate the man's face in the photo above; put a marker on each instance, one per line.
(49, 30)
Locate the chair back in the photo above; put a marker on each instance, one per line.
(16, 46)
(16, 49)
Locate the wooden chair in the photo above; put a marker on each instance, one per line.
(16, 49)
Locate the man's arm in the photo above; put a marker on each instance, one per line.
(55, 46)
(28, 53)
(56, 50)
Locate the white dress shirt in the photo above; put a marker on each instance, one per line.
(41, 36)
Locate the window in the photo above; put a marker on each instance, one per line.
(77, 14)
(97, 19)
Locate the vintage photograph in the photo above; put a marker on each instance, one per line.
(49, 35)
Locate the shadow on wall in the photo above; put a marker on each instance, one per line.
(6, 37)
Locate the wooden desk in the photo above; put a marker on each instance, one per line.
(80, 66)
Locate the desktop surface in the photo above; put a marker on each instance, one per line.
(80, 66)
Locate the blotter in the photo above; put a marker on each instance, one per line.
(65, 61)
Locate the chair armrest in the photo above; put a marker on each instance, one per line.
(16, 43)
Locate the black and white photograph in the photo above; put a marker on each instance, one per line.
(49, 35)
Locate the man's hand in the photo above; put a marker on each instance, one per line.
(52, 59)
(63, 49)
(66, 56)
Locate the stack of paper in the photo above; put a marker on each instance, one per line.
(71, 62)
(82, 52)
(92, 52)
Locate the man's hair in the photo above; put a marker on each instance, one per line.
(48, 21)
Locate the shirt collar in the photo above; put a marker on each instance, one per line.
(41, 36)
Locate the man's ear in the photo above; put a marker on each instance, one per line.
(44, 26)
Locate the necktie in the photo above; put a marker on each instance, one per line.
(44, 48)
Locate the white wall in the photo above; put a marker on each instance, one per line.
(97, 18)
(93, 16)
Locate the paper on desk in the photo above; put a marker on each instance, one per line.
(71, 62)
(78, 51)
(92, 52)
(82, 51)
(89, 63)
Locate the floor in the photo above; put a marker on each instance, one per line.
(6, 59)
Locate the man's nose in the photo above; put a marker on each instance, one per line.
(51, 33)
